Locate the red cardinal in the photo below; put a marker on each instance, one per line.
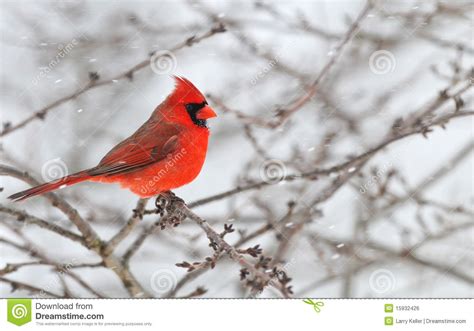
(166, 152)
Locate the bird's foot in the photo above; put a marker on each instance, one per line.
(172, 219)
(174, 197)
(170, 203)
(161, 204)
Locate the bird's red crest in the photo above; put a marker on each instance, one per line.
(185, 91)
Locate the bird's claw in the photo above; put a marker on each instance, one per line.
(174, 198)
(172, 220)
(161, 204)
(168, 202)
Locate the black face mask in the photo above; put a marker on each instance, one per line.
(193, 109)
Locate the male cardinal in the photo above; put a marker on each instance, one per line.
(166, 152)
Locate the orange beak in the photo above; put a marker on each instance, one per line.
(205, 113)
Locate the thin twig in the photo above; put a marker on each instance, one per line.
(24, 217)
(127, 229)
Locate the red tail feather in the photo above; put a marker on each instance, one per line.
(51, 186)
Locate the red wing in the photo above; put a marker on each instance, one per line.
(143, 148)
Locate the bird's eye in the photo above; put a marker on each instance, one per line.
(190, 107)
